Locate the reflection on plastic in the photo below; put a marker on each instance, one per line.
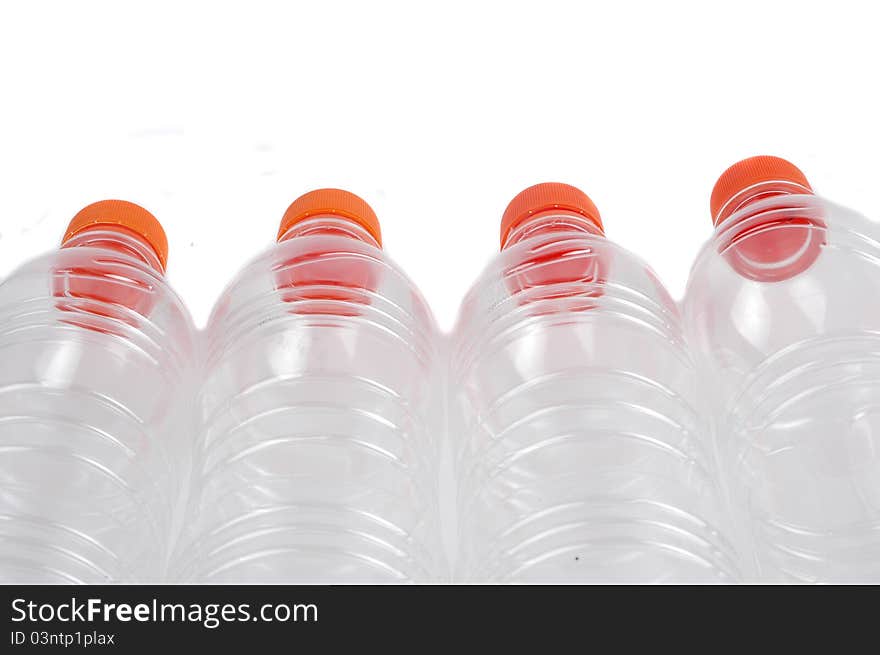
(322, 282)
(774, 246)
(564, 269)
(110, 285)
(768, 247)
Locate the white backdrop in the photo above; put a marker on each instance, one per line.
(216, 115)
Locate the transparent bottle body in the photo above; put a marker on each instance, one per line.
(317, 456)
(792, 365)
(97, 360)
(580, 450)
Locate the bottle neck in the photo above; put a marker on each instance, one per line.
(329, 225)
(551, 222)
(117, 239)
(756, 192)
(775, 241)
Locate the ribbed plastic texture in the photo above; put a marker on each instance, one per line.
(581, 455)
(317, 456)
(793, 364)
(97, 360)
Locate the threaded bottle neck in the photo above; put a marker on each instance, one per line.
(329, 225)
(756, 192)
(117, 239)
(552, 221)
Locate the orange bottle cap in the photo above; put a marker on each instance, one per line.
(546, 198)
(332, 202)
(748, 173)
(120, 213)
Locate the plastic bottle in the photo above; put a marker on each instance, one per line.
(782, 309)
(582, 456)
(316, 461)
(97, 361)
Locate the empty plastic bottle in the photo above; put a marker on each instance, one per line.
(782, 309)
(316, 461)
(97, 360)
(581, 454)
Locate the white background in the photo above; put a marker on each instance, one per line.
(215, 116)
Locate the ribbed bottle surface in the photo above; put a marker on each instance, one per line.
(317, 455)
(794, 369)
(93, 419)
(581, 454)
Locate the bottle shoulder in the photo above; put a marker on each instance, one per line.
(104, 291)
(780, 273)
(326, 280)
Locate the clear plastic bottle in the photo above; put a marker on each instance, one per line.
(97, 360)
(317, 458)
(782, 309)
(581, 453)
